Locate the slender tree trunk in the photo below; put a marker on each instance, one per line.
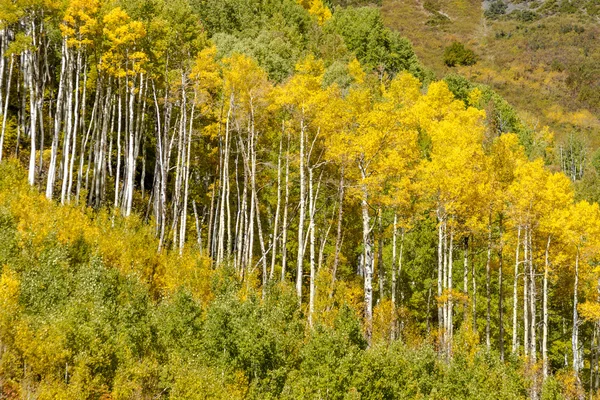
(526, 293)
(285, 211)
(301, 217)
(393, 330)
(450, 324)
(68, 131)
(5, 112)
(545, 312)
(466, 266)
(57, 123)
(515, 321)
(75, 126)
(441, 321)
(501, 290)
(186, 178)
(338, 239)
(32, 115)
(368, 262)
(380, 266)
(277, 210)
(488, 289)
(532, 297)
(118, 169)
(575, 330)
(198, 228)
(311, 227)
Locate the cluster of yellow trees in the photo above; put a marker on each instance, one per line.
(308, 178)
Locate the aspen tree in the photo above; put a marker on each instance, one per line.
(298, 97)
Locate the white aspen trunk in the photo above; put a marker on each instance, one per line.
(238, 219)
(224, 185)
(440, 272)
(501, 289)
(86, 138)
(182, 234)
(444, 287)
(285, 212)
(57, 123)
(178, 179)
(5, 111)
(75, 127)
(488, 291)
(532, 297)
(450, 327)
(277, 210)
(575, 330)
(311, 228)
(393, 291)
(515, 321)
(110, 142)
(466, 266)
(301, 216)
(545, 312)
(252, 152)
(367, 260)
(338, 239)
(198, 228)
(33, 101)
(526, 294)
(68, 130)
(100, 153)
(3, 45)
(118, 168)
(380, 266)
(130, 156)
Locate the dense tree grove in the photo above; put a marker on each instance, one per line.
(274, 199)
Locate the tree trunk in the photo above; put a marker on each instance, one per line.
(441, 321)
(285, 211)
(367, 259)
(575, 330)
(57, 123)
(301, 216)
(380, 266)
(501, 291)
(393, 290)
(311, 227)
(545, 312)
(488, 289)
(338, 239)
(526, 294)
(515, 321)
(532, 306)
(277, 211)
(5, 112)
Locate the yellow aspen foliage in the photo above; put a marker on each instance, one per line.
(589, 311)
(245, 80)
(317, 9)
(9, 298)
(356, 71)
(80, 23)
(123, 57)
(205, 74)
(456, 175)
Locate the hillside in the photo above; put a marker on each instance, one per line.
(298, 199)
(542, 57)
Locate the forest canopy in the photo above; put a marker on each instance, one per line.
(275, 199)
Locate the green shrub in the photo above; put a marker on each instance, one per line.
(458, 54)
(496, 9)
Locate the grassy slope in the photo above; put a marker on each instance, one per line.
(528, 63)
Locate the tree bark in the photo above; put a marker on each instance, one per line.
(515, 321)
(545, 312)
